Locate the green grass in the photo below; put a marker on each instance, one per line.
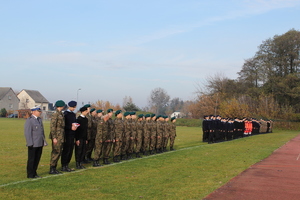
(192, 172)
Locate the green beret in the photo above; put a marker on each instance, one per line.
(158, 116)
(126, 113)
(109, 110)
(99, 111)
(118, 112)
(147, 115)
(140, 116)
(132, 113)
(173, 118)
(152, 115)
(166, 117)
(87, 105)
(60, 103)
(92, 110)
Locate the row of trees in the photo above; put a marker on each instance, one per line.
(268, 85)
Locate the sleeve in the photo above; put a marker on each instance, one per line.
(53, 126)
(28, 133)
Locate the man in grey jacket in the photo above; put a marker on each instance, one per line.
(35, 140)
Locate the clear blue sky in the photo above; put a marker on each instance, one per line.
(113, 49)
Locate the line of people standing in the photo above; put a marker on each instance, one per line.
(92, 132)
(217, 129)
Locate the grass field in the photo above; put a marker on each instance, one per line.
(192, 172)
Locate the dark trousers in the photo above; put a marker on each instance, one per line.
(68, 148)
(80, 151)
(34, 156)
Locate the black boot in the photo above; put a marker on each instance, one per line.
(105, 161)
(89, 157)
(129, 156)
(82, 167)
(96, 163)
(78, 165)
(116, 159)
(123, 157)
(65, 168)
(53, 170)
(171, 149)
(137, 155)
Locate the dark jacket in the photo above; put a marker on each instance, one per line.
(81, 131)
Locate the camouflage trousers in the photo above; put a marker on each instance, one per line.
(56, 153)
(117, 148)
(152, 143)
(146, 142)
(131, 146)
(138, 144)
(89, 147)
(106, 149)
(172, 140)
(165, 140)
(159, 142)
(98, 150)
(125, 146)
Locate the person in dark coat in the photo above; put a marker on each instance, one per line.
(35, 140)
(70, 127)
(81, 137)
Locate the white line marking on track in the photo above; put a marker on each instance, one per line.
(298, 157)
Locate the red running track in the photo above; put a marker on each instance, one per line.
(276, 177)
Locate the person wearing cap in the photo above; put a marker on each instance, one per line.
(173, 133)
(35, 140)
(126, 136)
(57, 132)
(167, 133)
(159, 134)
(70, 128)
(153, 124)
(132, 136)
(108, 135)
(81, 137)
(98, 139)
(139, 135)
(89, 132)
(146, 135)
(92, 130)
(119, 130)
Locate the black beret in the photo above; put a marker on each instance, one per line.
(72, 104)
(83, 109)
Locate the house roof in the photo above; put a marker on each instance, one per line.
(4, 91)
(36, 96)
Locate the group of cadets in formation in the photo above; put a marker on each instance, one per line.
(217, 129)
(125, 137)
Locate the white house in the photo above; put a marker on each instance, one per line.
(177, 114)
(9, 100)
(32, 98)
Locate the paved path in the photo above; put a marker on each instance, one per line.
(276, 177)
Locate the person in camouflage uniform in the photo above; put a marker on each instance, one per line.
(126, 136)
(109, 136)
(57, 131)
(153, 125)
(132, 136)
(92, 131)
(146, 135)
(119, 131)
(98, 139)
(166, 133)
(139, 135)
(159, 133)
(172, 133)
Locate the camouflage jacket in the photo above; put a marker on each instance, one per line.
(100, 136)
(140, 129)
(57, 126)
(119, 129)
(153, 125)
(147, 128)
(172, 129)
(127, 129)
(89, 130)
(133, 128)
(93, 127)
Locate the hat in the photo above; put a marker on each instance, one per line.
(60, 103)
(147, 115)
(152, 115)
(36, 108)
(92, 110)
(132, 113)
(99, 111)
(158, 116)
(118, 112)
(126, 113)
(87, 105)
(110, 110)
(72, 104)
(83, 109)
(173, 118)
(140, 116)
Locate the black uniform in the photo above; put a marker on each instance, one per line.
(81, 135)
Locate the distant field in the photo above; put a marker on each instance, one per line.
(193, 171)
